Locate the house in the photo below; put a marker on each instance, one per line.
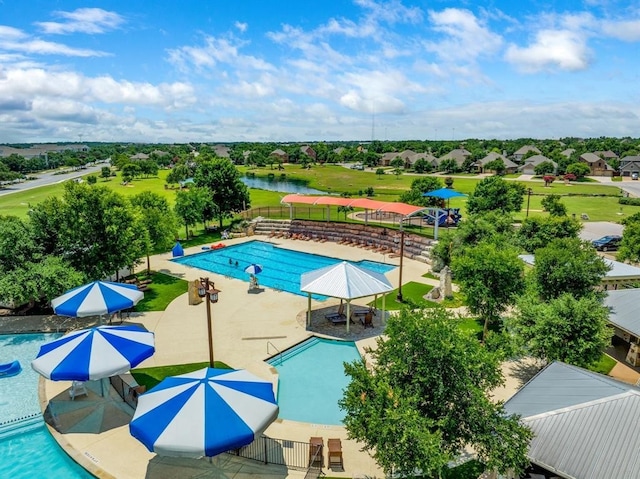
(310, 152)
(529, 165)
(510, 166)
(221, 151)
(581, 421)
(139, 157)
(280, 154)
(607, 155)
(459, 155)
(387, 158)
(624, 318)
(568, 152)
(597, 165)
(519, 155)
(428, 157)
(630, 165)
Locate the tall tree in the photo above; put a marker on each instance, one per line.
(190, 206)
(568, 329)
(228, 192)
(426, 397)
(630, 245)
(418, 187)
(538, 231)
(496, 194)
(158, 219)
(490, 277)
(568, 265)
(93, 228)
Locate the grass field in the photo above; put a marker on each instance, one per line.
(338, 180)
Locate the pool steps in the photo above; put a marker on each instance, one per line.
(21, 425)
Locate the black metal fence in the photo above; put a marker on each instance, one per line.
(293, 454)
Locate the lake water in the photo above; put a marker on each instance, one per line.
(281, 185)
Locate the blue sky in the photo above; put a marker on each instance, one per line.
(268, 70)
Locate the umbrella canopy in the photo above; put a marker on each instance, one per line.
(344, 280)
(94, 353)
(204, 413)
(253, 269)
(97, 298)
(444, 193)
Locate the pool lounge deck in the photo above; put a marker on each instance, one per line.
(243, 323)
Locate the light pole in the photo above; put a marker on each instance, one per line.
(399, 296)
(529, 191)
(210, 293)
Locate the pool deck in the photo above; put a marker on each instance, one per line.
(247, 329)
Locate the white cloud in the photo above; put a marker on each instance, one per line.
(627, 30)
(466, 38)
(241, 26)
(10, 33)
(42, 47)
(552, 49)
(83, 20)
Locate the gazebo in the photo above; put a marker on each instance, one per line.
(345, 281)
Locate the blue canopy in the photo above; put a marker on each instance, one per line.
(177, 250)
(204, 413)
(444, 193)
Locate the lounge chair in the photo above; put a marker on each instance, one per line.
(77, 389)
(338, 317)
(316, 444)
(335, 454)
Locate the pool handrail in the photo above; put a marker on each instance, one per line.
(277, 350)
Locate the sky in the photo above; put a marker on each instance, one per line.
(317, 70)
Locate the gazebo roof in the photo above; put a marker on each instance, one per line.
(345, 281)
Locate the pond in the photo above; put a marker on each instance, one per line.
(282, 185)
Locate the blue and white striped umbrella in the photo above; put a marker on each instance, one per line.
(97, 298)
(204, 413)
(253, 269)
(94, 353)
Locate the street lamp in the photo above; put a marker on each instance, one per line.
(208, 289)
(529, 191)
(399, 296)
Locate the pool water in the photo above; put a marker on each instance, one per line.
(282, 268)
(27, 450)
(312, 380)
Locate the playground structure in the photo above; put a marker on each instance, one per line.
(446, 217)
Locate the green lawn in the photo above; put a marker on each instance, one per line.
(149, 377)
(411, 291)
(162, 291)
(604, 365)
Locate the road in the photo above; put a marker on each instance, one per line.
(48, 178)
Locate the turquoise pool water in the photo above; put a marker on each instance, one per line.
(281, 267)
(27, 450)
(312, 380)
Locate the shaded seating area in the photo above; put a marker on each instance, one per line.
(338, 317)
(367, 320)
(335, 454)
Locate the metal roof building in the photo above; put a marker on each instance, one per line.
(582, 423)
(623, 305)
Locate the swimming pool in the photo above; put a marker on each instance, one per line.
(281, 267)
(27, 450)
(311, 380)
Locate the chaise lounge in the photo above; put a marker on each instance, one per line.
(335, 454)
(338, 317)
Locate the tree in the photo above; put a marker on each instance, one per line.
(629, 249)
(130, 171)
(538, 231)
(158, 219)
(397, 162)
(490, 277)
(448, 181)
(397, 172)
(179, 173)
(411, 415)
(548, 179)
(380, 173)
(190, 206)
(346, 210)
(94, 228)
(554, 206)
(497, 166)
(579, 169)
(105, 173)
(449, 166)
(419, 186)
(568, 329)
(422, 166)
(228, 192)
(544, 168)
(496, 194)
(92, 179)
(568, 265)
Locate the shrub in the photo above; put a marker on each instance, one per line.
(548, 179)
(629, 201)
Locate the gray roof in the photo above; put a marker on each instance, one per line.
(618, 272)
(496, 156)
(559, 386)
(590, 157)
(537, 159)
(526, 149)
(623, 304)
(582, 423)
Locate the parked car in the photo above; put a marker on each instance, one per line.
(607, 243)
(357, 166)
(634, 175)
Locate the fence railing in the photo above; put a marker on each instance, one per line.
(268, 450)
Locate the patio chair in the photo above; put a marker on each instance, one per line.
(316, 444)
(78, 388)
(367, 320)
(335, 454)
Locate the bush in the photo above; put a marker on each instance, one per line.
(629, 201)
(570, 177)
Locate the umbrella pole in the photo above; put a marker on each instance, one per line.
(308, 310)
(348, 313)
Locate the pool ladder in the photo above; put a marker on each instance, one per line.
(274, 347)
